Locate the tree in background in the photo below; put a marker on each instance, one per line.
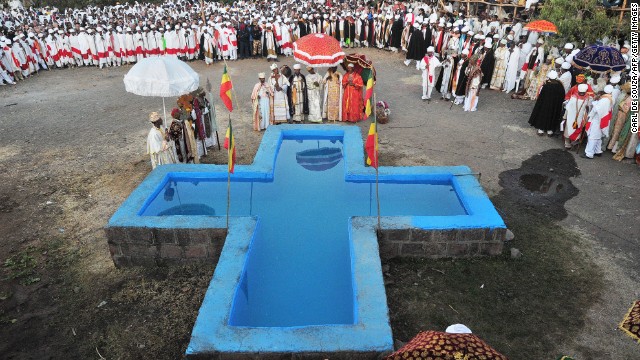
(580, 21)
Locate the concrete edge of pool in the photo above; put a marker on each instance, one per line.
(371, 336)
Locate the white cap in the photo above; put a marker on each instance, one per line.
(458, 329)
(261, 75)
(566, 66)
(487, 45)
(560, 60)
(552, 75)
(615, 79)
(509, 37)
(350, 65)
(465, 29)
(296, 66)
(540, 41)
(503, 42)
(273, 66)
(583, 88)
(431, 49)
(568, 46)
(470, 33)
(496, 36)
(608, 89)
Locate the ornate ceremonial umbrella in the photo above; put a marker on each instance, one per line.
(442, 345)
(318, 50)
(361, 64)
(543, 26)
(600, 59)
(163, 76)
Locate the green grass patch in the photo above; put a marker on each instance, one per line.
(22, 266)
(523, 307)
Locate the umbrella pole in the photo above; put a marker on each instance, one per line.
(164, 110)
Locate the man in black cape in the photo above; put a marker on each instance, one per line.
(297, 78)
(547, 112)
(461, 85)
(302, 26)
(349, 31)
(488, 63)
(418, 43)
(396, 33)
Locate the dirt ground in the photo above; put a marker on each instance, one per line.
(72, 148)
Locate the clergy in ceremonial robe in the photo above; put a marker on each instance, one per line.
(332, 98)
(280, 102)
(297, 95)
(314, 94)
(261, 98)
(576, 111)
(159, 148)
(352, 108)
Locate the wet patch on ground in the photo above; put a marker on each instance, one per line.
(542, 183)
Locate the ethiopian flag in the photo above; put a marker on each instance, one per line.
(225, 91)
(371, 145)
(230, 145)
(367, 78)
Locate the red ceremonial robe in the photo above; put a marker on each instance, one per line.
(352, 108)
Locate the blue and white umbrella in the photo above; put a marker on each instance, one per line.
(599, 58)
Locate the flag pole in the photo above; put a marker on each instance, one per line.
(375, 159)
(229, 174)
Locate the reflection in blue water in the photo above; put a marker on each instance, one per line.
(299, 269)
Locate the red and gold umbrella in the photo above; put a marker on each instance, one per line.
(438, 345)
(543, 26)
(318, 50)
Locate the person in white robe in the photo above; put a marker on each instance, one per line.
(83, 43)
(473, 86)
(428, 66)
(500, 70)
(314, 91)
(160, 41)
(160, 149)
(52, 47)
(575, 113)
(101, 49)
(261, 100)
(447, 69)
(598, 123)
(130, 48)
(93, 51)
(75, 48)
(208, 46)
(511, 74)
(279, 84)
(565, 77)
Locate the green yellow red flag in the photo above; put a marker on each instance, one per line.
(230, 145)
(371, 145)
(225, 89)
(368, 80)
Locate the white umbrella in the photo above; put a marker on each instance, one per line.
(164, 76)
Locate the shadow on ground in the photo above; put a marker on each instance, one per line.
(522, 306)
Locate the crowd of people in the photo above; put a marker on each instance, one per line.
(458, 56)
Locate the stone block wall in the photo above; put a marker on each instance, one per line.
(140, 246)
(449, 243)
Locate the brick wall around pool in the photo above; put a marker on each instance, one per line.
(143, 246)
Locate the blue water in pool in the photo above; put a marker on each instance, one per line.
(298, 272)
